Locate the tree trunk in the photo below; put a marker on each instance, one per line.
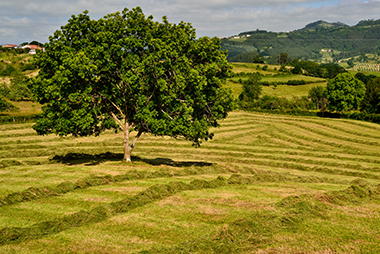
(127, 146)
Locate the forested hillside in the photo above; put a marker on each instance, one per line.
(314, 41)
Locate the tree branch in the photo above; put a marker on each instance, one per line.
(171, 118)
(118, 109)
(118, 121)
(136, 138)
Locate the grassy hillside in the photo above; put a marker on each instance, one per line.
(290, 91)
(320, 41)
(265, 184)
(15, 69)
(272, 75)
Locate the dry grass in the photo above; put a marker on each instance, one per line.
(286, 155)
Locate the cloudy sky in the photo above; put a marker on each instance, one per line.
(27, 20)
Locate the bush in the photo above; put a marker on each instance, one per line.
(318, 96)
(329, 70)
(251, 89)
(371, 101)
(364, 78)
(283, 69)
(296, 82)
(345, 93)
(4, 105)
(296, 70)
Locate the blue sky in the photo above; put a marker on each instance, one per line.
(25, 20)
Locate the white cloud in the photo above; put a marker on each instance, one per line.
(25, 20)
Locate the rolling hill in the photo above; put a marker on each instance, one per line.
(312, 42)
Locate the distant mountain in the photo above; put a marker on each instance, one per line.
(322, 25)
(315, 41)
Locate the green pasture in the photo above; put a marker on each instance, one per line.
(290, 91)
(285, 91)
(275, 77)
(265, 184)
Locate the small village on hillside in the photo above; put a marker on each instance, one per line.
(32, 48)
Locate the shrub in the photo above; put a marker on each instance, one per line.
(296, 82)
(251, 89)
(296, 70)
(345, 92)
(4, 105)
(319, 97)
(371, 101)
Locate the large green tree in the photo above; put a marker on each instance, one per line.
(317, 95)
(252, 89)
(371, 101)
(345, 92)
(128, 72)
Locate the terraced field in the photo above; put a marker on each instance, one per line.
(265, 184)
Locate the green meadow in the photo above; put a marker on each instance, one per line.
(278, 81)
(265, 184)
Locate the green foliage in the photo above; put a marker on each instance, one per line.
(27, 67)
(318, 96)
(316, 70)
(252, 89)
(267, 102)
(371, 101)
(126, 71)
(36, 43)
(364, 78)
(7, 70)
(345, 93)
(4, 105)
(343, 41)
(283, 69)
(18, 90)
(283, 59)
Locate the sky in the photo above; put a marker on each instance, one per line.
(26, 20)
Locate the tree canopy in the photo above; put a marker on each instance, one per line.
(371, 101)
(128, 72)
(252, 89)
(345, 92)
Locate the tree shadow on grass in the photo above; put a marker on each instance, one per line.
(95, 159)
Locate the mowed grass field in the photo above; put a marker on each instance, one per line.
(265, 184)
